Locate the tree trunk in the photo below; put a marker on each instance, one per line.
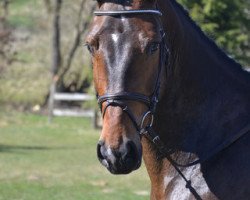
(56, 52)
(56, 48)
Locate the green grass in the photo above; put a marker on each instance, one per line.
(58, 161)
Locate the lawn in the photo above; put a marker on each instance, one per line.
(41, 161)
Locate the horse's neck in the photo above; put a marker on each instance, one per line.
(204, 90)
(205, 99)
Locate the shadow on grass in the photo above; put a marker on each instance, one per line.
(18, 148)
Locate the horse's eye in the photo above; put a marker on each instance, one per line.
(153, 47)
(90, 48)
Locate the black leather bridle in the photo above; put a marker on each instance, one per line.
(119, 99)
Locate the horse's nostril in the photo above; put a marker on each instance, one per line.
(100, 146)
(101, 154)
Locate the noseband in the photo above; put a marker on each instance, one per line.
(119, 99)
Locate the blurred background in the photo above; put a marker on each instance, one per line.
(45, 70)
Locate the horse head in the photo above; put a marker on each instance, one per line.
(125, 41)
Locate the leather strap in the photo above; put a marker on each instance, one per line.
(125, 96)
(126, 12)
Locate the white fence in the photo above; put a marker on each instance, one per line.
(71, 112)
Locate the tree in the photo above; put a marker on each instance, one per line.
(61, 60)
(60, 67)
(227, 22)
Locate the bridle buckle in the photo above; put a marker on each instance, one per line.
(148, 113)
(156, 140)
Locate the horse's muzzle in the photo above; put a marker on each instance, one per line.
(122, 160)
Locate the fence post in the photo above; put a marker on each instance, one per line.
(95, 119)
(51, 100)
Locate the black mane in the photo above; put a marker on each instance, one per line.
(235, 66)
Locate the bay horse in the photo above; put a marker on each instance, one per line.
(167, 90)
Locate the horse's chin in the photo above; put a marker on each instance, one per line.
(124, 170)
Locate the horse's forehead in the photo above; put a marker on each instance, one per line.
(132, 33)
(136, 28)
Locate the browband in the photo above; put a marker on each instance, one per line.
(126, 12)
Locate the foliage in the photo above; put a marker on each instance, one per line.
(226, 21)
(58, 162)
(61, 67)
(25, 82)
